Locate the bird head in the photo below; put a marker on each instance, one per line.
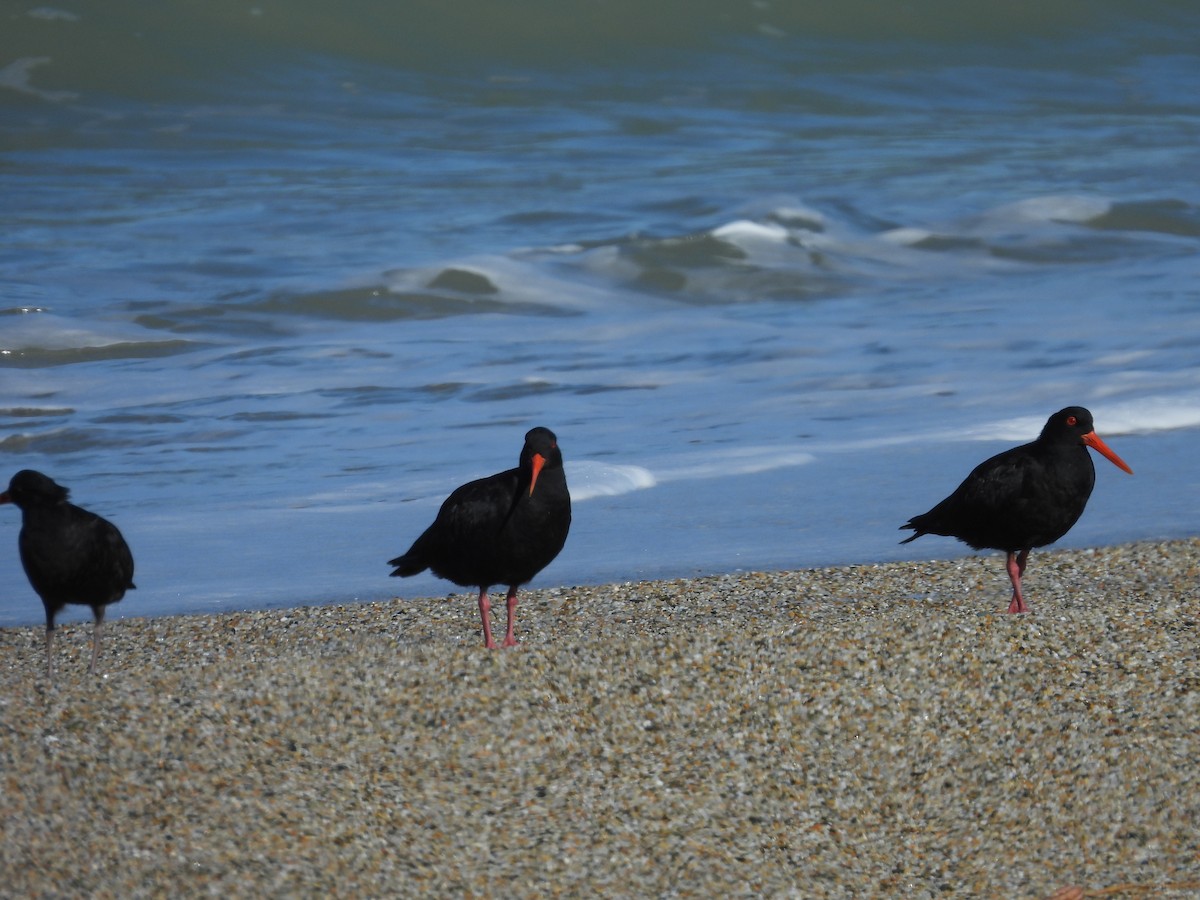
(29, 488)
(541, 449)
(1075, 422)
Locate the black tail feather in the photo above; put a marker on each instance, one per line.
(406, 565)
(915, 528)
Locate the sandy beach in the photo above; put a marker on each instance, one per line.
(871, 731)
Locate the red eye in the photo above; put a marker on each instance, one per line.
(1071, 420)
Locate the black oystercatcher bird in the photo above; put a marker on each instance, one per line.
(1026, 497)
(502, 529)
(69, 554)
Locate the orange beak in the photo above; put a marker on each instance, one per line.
(539, 461)
(4, 498)
(1102, 448)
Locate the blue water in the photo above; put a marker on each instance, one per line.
(274, 281)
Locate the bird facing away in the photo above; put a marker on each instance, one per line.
(502, 529)
(70, 555)
(1026, 497)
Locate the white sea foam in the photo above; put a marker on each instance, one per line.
(591, 478)
(906, 236)
(588, 479)
(745, 230)
(516, 278)
(46, 331)
(1054, 208)
(1149, 414)
(800, 216)
(735, 461)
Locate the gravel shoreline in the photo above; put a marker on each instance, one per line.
(865, 731)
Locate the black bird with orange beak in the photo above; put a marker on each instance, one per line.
(1026, 497)
(502, 529)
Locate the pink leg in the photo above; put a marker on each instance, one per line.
(509, 639)
(485, 613)
(1016, 568)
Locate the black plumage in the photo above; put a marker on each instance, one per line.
(70, 555)
(502, 529)
(1026, 497)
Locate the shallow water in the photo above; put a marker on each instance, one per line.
(274, 283)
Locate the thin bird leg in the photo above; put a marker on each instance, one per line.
(1021, 557)
(1016, 566)
(509, 639)
(50, 653)
(485, 613)
(97, 629)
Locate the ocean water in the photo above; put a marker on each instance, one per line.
(275, 279)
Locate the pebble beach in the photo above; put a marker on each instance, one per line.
(867, 731)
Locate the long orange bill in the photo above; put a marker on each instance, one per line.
(539, 461)
(1103, 449)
